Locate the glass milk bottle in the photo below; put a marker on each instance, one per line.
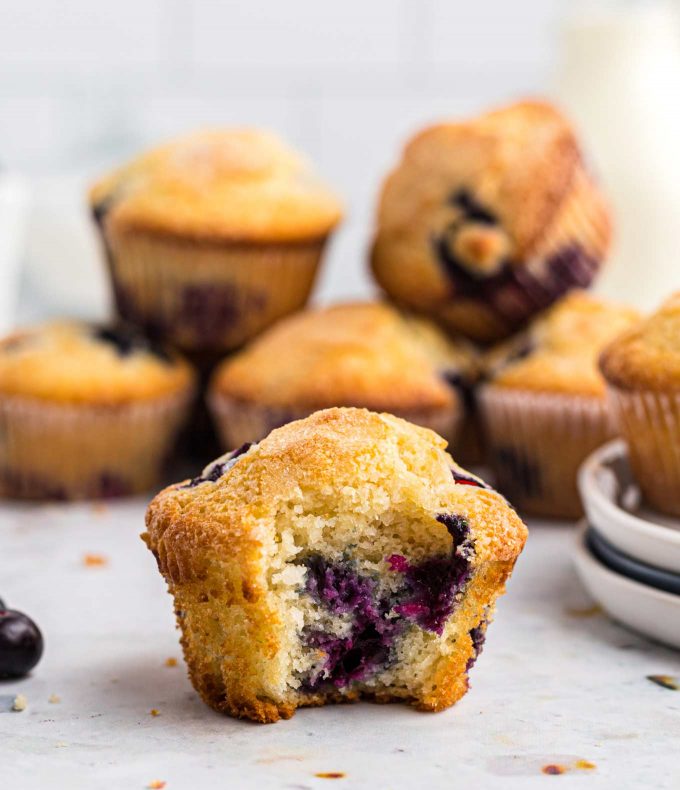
(619, 79)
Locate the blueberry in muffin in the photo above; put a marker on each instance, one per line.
(87, 410)
(345, 556)
(487, 222)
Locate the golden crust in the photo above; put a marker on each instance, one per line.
(232, 185)
(64, 362)
(647, 357)
(209, 542)
(522, 164)
(361, 354)
(559, 351)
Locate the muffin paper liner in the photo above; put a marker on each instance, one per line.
(650, 424)
(208, 296)
(239, 421)
(537, 442)
(83, 451)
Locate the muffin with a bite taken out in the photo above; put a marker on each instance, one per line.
(345, 556)
(87, 411)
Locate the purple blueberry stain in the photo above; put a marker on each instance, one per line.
(513, 292)
(477, 636)
(219, 468)
(127, 341)
(210, 310)
(468, 480)
(426, 598)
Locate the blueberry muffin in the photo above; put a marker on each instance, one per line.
(86, 411)
(212, 237)
(642, 371)
(484, 223)
(544, 407)
(360, 354)
(346, 556)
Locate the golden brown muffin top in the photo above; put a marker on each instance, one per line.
(383, 464)
(515, 165)
(647, 356)
(225, 185)
(76, 362)
(559, 351)
(359, 354)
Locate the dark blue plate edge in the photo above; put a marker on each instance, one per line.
(623, 564)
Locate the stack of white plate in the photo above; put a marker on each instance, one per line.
(627, 555)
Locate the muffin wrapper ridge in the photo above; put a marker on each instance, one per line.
(536, 443)
(650, 424)
(200, 295)
(83, 451)
(239, 421)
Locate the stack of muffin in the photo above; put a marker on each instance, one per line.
(487, 232)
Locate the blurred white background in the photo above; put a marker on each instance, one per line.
(84, 84)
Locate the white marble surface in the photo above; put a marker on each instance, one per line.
(557, 683)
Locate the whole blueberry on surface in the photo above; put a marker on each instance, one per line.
(21, 643)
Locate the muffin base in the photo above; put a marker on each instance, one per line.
(82, 451)
(201, 295)
(537, 441)
(239, 421)
(650, 424)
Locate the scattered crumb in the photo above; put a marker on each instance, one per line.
(590, 611)
(60, 744)
(20, 703)
(665, 681)
(156, 784)
(330, 775)
(553, 770)
(94, 560)
(155, 712)
(55, 699)
(170, 662)
(585, 765)
(100, 508)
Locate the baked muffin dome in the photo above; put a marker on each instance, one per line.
(642, 370)
(559, 352)
(485, 223)
(345, 556)
(213, 237)
(544, 407)
(357, 354)
(87, 411)
(234, 184)
(78, 362)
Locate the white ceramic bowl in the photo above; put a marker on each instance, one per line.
(613, 506)
(645, 609)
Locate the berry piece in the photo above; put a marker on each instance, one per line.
(21, 644)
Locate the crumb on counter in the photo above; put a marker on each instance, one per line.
(54, 699)
(155, 712)
(170, 662)
(60, 744)
(94, 560)
(665, 681)
(20, 703)
(330, 775)
(590, 611)
(553, 769)
(585, 765)
(156, 784)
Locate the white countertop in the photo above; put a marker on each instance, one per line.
(558, 683)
